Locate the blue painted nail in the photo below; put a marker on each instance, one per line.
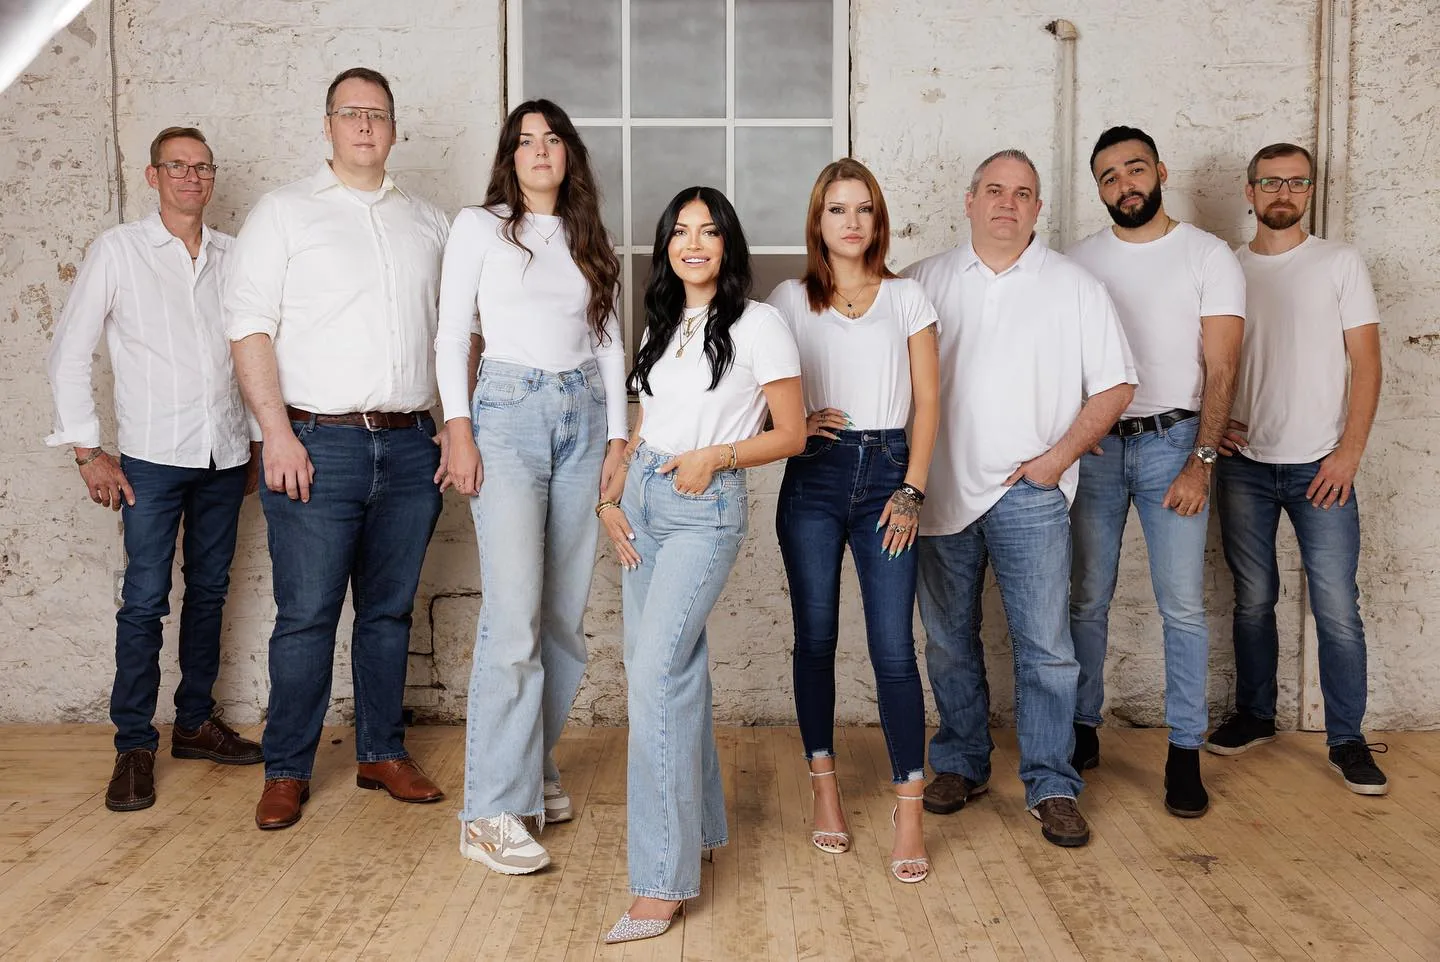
(878, 524)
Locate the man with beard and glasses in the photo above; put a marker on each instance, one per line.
(1181, 299)
(1295, 444)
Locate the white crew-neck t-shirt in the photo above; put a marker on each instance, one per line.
(1161, 289)
(682, 414)
(531, 309)
(859, 365)
(1294, 368)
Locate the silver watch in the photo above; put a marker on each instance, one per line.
(1207, 454)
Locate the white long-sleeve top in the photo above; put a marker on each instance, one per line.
(531, 309)
(346, 285)
(176, 399)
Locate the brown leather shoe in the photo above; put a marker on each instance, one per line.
(948, 792)
(280, 803)
(401, 777)
(216, 741)
(132, 783)
(1061, 822)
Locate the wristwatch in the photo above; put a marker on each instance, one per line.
(1207, 454)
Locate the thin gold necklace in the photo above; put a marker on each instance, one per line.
(851, 299)
(690, 327)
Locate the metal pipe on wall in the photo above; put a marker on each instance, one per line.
(1064, 204)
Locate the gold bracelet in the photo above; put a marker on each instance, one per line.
(607, 503)
(734, 457)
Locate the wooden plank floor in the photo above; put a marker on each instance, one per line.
(1287, 865)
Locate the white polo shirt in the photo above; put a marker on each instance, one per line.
(348, 287)
(1294, 374)
(1020, 351)
(1161, 289)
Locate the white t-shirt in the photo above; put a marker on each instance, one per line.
(1020, 351)
(682, 414)
(859, 365)
(531, 309)
(1161, 289)
(1293, 370)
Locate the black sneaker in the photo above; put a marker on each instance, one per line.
(1355, 764)
(1087, 748)
(1240, 732)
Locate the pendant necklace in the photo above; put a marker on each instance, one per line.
(543, 236)
(851, 298)
(691, 326)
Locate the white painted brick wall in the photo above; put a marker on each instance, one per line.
(935, 87)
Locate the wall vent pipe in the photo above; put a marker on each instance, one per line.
(1064, 203)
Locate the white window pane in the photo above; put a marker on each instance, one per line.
(775, 168)
(677, 58)
(604, 144)
(665, 160)
(571, 54)
(784, 50)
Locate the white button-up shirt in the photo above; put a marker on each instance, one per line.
(1020, 351)
(347, 287)
(176, 399)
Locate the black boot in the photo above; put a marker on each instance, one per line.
(1087, 748)
(1185, 796)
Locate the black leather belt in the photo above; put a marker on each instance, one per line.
(1131, 427)
(372, 420)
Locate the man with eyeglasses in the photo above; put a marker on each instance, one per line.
(152, 289)
(1180, 295)
(331, 307)
(1309, 387)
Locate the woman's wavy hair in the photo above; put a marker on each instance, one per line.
(665, 292)
(819, 279)
(578, 207)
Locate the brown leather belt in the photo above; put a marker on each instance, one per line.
(371, 420)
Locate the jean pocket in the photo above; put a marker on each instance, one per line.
(500, 392)
(1040, 487)
(597, 388)
(898, 454)
(1181, 435)
(711, 492)
(815, 446)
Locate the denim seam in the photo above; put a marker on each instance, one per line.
(278, 774)
(668, 896)
(371, 757)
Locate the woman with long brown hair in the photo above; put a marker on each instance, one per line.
(542, 435)
(871, 366)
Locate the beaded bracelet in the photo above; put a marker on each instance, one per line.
(89, 457)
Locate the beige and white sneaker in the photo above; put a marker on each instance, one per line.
(557, 804)
(502, 844)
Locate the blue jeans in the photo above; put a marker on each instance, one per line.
(208, 500)
(687, 546)
(1026, 536)
(372, 509)
(541, 437)
(1140, 469)
(1250, 497)
(833, 495)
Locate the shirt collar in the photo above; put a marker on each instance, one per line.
(159, 235)
(325, 179)
(1031, 259)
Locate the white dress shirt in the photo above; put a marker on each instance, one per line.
(1020, 351)
(346, 286)
(532, 310)
(176, 399)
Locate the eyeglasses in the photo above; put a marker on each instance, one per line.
(353, 115)
(1272, 185)
(179, 170)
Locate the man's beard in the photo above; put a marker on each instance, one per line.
(1140, 216)
(1279, 217)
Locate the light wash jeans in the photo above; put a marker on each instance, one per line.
(1249, 497)
(541, 437)
(1140, 469)
(1026, 536)
(687, 546)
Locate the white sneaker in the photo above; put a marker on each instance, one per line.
(557, 804)
(502, 844)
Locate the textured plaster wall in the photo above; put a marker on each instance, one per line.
(935, 87)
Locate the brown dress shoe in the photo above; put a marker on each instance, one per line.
(948, 792)
(280, 802)
(1061, 822)
(216, 741)
(401, 777)
(132, 784)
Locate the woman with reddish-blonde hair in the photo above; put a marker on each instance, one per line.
(870, 366)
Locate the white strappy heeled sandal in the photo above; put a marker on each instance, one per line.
(821, 839)
(921, 862)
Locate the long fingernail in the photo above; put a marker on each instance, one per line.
(878, 524)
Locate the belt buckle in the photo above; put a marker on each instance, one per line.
(365, 419)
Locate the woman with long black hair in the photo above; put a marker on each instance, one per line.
(711, 362)
(536, 265)
(867, 346)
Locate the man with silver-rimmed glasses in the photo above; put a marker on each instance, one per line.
(152, 288)
(331, 305)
